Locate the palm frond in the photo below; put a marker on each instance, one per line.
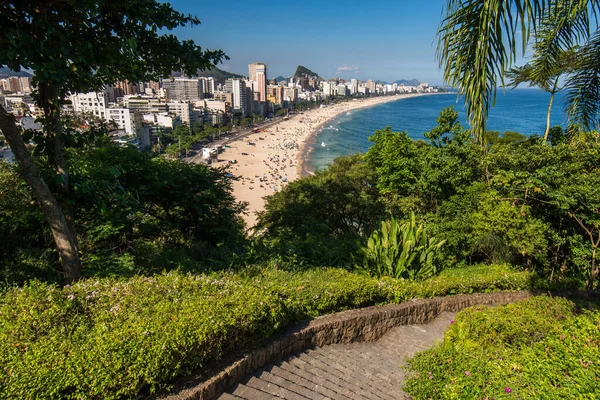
(566, 23)
(583, 85)
(477, 43)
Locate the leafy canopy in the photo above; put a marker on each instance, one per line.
(80, 45)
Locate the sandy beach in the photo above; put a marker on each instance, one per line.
(267, 161)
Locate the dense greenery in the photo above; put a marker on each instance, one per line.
(134, 214)
(401, 250)
(541, 347)
(479, 40)
(517, 201)
(79, 47)
(114, 338)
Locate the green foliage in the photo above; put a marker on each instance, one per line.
(448, 129)
(538, 346)
(320, 219)
(98, 30)
(112, 338)
(478, 42)
(135, 214)
(400, 250)
(518, 201)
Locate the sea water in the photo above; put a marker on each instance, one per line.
(520, 110)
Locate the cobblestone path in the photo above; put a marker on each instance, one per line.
(359, 371)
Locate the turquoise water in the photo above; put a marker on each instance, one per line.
(521, 110)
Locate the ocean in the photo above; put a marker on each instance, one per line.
(520, 110)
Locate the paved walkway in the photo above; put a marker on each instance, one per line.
(359, 371)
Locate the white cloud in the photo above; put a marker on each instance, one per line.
(348, 68)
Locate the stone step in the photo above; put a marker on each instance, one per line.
(357, 371)
(321, 385)
(316, 390)
(362, 374)
(250, 393)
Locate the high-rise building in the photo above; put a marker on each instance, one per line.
(257, 72)
(93, 102)
(275, 94)
(237, 88)
(342, 90)
(372, 86)
(183, 89)
(122, 118)
(185, 111)
(208, 86)
(290, 94)
(25, 84)
(14, 84)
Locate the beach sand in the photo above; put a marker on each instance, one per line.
(270, 159)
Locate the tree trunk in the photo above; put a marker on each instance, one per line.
(594, 272)
(63, 236)
(62, 167)
(552, 93)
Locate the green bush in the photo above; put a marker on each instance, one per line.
(110, 338)
(400, 250)
(538, 348)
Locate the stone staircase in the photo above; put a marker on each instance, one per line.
(359, 371)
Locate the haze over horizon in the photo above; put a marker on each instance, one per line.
(384, 40)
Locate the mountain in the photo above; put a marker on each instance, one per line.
(303, 72)
(410, 82)
(7, 72)
(279, 79)
(219, 75)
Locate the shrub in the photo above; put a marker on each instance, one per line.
(400, 250)
(523, 350)
(108, 338)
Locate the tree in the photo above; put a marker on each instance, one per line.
(477, 43)
(448, 129)
(320, 219)
(75, 46)
(527, 74)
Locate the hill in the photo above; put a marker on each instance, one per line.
(219, 74)
(409, 82)
(7, 72)
(279, 79)
(303, 72)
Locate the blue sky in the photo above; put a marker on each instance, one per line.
(385, 40)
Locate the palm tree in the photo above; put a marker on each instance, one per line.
(565, 63)
(477, 44)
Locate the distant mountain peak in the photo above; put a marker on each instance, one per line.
(303, 72)
(409, 82)
(219, 75)
(7, 72)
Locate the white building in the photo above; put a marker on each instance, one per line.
(327, 90)
(237, 88)
(183, 89)
(123, 118)
(208, 86)
(163, 119)
(93, 102)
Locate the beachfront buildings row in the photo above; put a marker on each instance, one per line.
(143, 109)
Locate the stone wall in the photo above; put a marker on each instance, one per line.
(365, 324)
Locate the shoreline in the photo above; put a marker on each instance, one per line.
(265, 162)
(304, 166)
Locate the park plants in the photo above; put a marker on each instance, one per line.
(123, 338)
(400, 250)
(540, 346)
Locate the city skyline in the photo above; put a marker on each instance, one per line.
(384, 41)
